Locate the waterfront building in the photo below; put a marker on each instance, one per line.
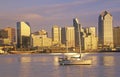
(116, 36)
(41, 39)
(3, 33)
(43, 33)
(3, 37)
(77, 27)
(56, 35)
(89, 39)
(23, 35)
(68, 36)
(105, 30)
(11, 34)
(4, 41)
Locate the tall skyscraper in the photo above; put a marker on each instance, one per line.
(77, 28)
(105, 30)
(23, 34)
(56, 35)
(68, 36)
(11, 34)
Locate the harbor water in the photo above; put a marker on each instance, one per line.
(46, 65)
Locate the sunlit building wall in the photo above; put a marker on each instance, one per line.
(89, 39)
(90, 43)
(36, 41)
(116, 36)
(11, 34)
(6, 41)
(105, 29)
(92, 31)
(47, 42)
(87, 44)
(56, 35)
(41, 39)
(68, 36)
(23, 34)
(3, 33)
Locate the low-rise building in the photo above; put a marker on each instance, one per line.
(40, 39)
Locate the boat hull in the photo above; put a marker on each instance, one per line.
(76, 62)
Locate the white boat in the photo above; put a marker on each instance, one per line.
(73, 60)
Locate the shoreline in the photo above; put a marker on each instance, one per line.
(34, 52)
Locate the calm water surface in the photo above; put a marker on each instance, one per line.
(46, 65)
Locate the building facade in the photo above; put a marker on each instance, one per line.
(11, 34)
(23, 35)
(89, 39)
(41, 39)
(77, 27)
(105, 30)
(3, 37)
(116, 36)
(68, 36)
(3, 33)
(56, 35)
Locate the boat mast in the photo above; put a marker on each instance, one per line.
(67, 45)
(79, 38)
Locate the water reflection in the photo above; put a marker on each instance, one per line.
(104, 65)
(109, 72)
(94, 60)
(108, 60)
(37, 59)
(25, 64)
(25, 59)
(9, 60)
(56, 60)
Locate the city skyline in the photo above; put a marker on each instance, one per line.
(88, 38)
(45, 14)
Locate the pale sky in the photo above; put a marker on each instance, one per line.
(43, 14)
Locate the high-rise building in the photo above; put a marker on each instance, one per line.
(11, 34)
(105, 30)
(23, 34)
(3, 36)
(41, 39)
(77, 28)
(89, 39)
(68, 36)
(116, 36)
(87, 36)
(56, 35)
